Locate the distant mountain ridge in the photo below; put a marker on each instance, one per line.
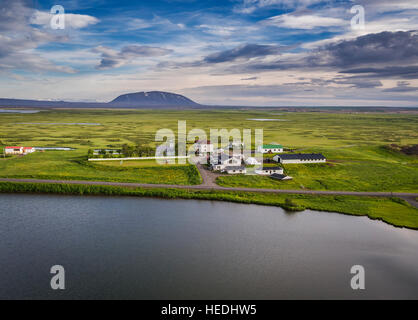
(129, 100)
(152, 98)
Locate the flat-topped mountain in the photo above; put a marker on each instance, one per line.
(153, 98)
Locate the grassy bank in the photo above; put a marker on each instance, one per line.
(392, 211)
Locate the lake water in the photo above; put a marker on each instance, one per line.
(60, 123)
(18, 111)
(267, 120)
(185, 249)
(54, 149)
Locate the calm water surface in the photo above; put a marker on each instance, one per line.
(177, 249)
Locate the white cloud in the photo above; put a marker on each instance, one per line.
(249, 6)
(304, 21)
(156, 21)
(138, 24)
(19, 40)
(216, 30)
(75, 21)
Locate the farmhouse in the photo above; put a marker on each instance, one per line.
(13, 150)
(235, 170)
(203, 146)
(221, 161)
(300, 158)
(267, 171)
(19, 150)
(270, 148)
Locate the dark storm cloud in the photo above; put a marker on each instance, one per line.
(305, 92)
(246, 51)
(352, 82)
(359, 83)
(386, 54)
(384, 47)
(404, 72)
(112, 59)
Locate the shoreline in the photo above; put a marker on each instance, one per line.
(366, 205)
(204, 186)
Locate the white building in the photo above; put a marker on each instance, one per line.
(28, 150)
(235, 170)
(268, 171)
(251, 161)
(270, 148)
(300, 158)
(19, 150)
(203, 146)
(219, 162)
(13, 150)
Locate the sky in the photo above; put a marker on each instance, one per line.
(231, 52)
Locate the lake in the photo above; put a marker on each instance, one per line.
(141, 248)
(19, 111)
(267, 120)
(60, 123)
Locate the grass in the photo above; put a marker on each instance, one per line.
(348, 176)
(393, 211)
(70, 165)
(354, 144)
(369, 168)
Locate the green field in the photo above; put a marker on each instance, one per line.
(73, 165)
(373, 169)
(354, 143)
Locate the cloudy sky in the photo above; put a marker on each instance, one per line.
(231, 52)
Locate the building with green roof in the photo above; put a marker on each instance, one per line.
(271, 148)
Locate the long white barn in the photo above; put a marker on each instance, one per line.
(300, 158)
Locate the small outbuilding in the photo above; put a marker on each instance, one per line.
(267, 171)
(28, 150)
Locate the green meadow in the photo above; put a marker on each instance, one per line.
(368, 168)
(354, 144)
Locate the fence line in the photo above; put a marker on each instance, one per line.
(141, 158)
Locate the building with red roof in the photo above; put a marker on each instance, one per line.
(19, 150)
